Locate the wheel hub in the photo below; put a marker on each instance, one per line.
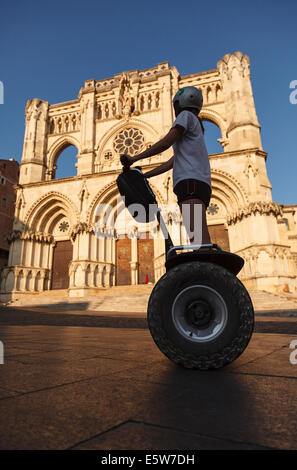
(199, 313)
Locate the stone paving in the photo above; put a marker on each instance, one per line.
(107, 386)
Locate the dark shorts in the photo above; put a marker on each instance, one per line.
(191, 188)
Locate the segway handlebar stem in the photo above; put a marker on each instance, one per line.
(168, 240)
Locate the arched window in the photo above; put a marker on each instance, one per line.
(66, 163)
(211, 135)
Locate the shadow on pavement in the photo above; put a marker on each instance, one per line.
(223, 409)
(39, 316)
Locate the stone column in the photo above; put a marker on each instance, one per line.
(92, 276)
(23, 281)
(84, 270)
(11, 249)
(106, 280)
(28, 253)
(42, 281)
(50, 260)
(71, 275)
(17, 252)
(37, 254)
(100, 275)
(83, 246)
(134, 272)
(134, 260)
(135, 91)
(44, 255)
(108, 253)
(34, 288)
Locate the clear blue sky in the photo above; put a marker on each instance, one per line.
(48, 50)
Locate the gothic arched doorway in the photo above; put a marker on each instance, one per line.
(62, 256)
(134, 260)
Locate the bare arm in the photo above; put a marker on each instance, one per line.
(173, 135)
(160, 169)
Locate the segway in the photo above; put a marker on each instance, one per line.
(199, 313)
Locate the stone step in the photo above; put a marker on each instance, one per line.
(110, 291)
(118, 298)
(135, 299)
(263, 300)
(130, 290)
(123, 303)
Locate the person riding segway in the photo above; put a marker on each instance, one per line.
(199, 313)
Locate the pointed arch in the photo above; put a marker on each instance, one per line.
(46, 211)
(214, 117)
(228, 190)
(57, 147)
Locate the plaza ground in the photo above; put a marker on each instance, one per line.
(75, 379)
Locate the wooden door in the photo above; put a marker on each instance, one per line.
(123, 258)
(219, 235)
(146, 260)
(61, 258)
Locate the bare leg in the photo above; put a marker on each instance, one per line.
(187, 207)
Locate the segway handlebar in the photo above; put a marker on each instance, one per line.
(133, 185)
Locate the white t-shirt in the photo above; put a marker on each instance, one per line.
(190, 153)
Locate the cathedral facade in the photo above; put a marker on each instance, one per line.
(54, 243)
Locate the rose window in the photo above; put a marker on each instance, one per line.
(129, 141)
(64, 226)
(213, 209)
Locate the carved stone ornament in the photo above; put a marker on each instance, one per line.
(237, 60)
(263, 208)
(82, 227)
(29, 235)
(125, 98)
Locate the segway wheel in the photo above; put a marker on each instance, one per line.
(200, 316)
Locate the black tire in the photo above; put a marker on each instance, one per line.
(227, 315)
